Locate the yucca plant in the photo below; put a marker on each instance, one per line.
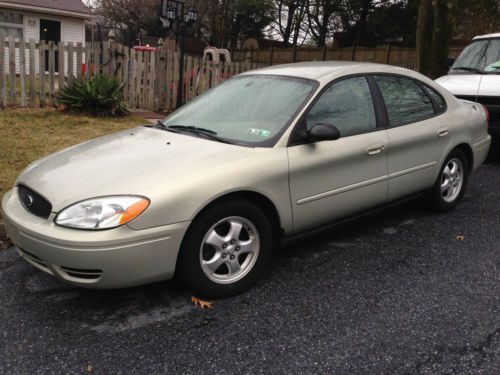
(97, 96)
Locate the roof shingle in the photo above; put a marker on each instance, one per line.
(67, 5)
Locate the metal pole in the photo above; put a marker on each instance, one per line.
(180, 87)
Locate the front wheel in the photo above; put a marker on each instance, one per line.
(226, 249)
(450, 185)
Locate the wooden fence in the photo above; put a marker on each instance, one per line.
(388, 54)
(32, 73)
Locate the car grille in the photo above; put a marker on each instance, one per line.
(491, 102)
(34, 202)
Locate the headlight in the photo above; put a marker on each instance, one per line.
(102, 213)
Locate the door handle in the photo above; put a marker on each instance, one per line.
(375, 149)
(443, 132)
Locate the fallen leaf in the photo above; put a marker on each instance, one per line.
(201, 304)
(89, 368)
(460, 238)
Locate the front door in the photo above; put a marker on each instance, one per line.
(334, 179)
(50, 31)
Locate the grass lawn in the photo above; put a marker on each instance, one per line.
(29, 134)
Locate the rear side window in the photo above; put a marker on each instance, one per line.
(348, 105)
(437, 98)
(406, 102)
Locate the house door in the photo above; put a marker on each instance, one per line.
(50, 31)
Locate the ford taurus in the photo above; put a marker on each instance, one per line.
(208, 192)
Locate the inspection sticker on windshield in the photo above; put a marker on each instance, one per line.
(262, 133)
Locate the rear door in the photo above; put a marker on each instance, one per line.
(418, 135)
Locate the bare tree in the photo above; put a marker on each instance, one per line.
(322, 19)
(291, 22)
(130, 16)
(435, 25)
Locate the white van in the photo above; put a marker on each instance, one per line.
(475, 76)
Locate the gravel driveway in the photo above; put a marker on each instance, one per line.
(402, 291)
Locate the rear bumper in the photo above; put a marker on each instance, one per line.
(480, 151)
(495, 138)
(115, 258)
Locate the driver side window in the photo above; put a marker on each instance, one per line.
(348, 105)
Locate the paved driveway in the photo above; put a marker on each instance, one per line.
(397, 292)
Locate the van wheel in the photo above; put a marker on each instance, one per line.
(450, 185)
(226, 249)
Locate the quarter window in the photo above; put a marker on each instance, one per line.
(438, 99)
(405, 101)
(348, 105)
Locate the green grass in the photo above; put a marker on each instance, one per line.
(29, 134)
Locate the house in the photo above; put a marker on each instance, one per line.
(56, 20)
(47, 20)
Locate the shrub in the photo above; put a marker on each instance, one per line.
(97, 96)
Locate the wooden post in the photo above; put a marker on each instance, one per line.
(71, 65)
(52, 71)
(295, 53)
(388, 54)
(196, 64)
(41, 53)
(176, 77)
(12, 69)
(168, 81)
(152, 79)
(97, 58)
(3, 92)
(140, 56)
(88, 59)
(125, 71)
(22, 72)
(187, 74)
(132, 80)
(324, 53)
(271, 55)
(60, 62)
(112, 58)
(79, 58)
(32, 73)
(354, 46)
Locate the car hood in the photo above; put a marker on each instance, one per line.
(461, 84)
(127, 162)
(471, 84)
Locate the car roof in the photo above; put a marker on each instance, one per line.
(487, 36)
(317, 69)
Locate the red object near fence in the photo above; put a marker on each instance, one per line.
(145, 48)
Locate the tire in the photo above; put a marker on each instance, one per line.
(215, 264)
(450, 185)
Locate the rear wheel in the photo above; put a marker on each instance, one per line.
(226, 249)
(450, 186)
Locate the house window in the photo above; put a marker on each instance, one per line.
(11, 23)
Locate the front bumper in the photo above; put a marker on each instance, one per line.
(114, 258)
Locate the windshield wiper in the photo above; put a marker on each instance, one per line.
(161, 125)
(193, 129)
(468, 68)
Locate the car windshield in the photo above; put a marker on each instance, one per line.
(251, 110)
(481, 56)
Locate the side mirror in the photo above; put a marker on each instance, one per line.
(323, 132)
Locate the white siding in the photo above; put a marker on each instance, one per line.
(72, 30)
